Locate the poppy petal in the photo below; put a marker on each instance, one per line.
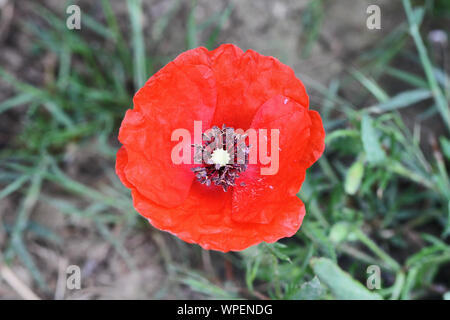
(121, 162)
(260, 197)
(246, 80)
(316, 144)
(205, 218)
(182, 92)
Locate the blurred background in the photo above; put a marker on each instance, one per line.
(377, 202)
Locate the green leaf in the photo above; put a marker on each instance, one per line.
(375, 154)
(310, 290)
(445, 145)
(340, 283)
(14, 186)
(447, 228)
(275, 250)
(252, 271)
(402, 100)
(18, 100)
(341, 133)
(354, 177)
(202, 285)
(318, 235)
(407, 77)
(339, 232)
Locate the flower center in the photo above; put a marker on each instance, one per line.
(223, 156)
(220, 157)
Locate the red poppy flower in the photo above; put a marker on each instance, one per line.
(221, 87)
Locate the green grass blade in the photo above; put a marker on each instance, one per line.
(139, 66)
(14, 186)
(191, 29)
(439, 97)
(371, 85)
(402, 100)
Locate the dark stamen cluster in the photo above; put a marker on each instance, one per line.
(227, 139)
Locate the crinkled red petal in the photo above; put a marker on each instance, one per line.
(182, 92)
(205, 218)
(245, 81)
